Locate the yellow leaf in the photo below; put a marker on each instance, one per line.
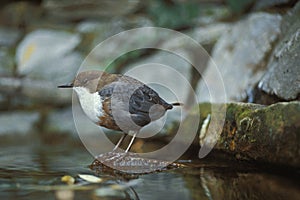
(68, 179)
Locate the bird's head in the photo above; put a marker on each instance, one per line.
(86, 79)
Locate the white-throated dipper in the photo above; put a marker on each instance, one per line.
(118, 102)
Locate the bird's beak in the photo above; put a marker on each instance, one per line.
(69, 85)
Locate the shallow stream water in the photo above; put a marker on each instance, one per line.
(34, 171)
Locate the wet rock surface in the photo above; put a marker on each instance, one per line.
(261, 133)
(129, 163)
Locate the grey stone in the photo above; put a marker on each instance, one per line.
(17, 122)
(209, 34)
(283, 76)
(240, 55)
(157, 38)
(49, 55)
(70, 9)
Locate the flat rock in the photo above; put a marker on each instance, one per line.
(240, 55)
(283, 76)
(48, 55)
(128, 163)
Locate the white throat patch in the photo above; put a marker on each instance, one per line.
(91, 103)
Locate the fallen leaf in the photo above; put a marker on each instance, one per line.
(68, 179)
(90, 178)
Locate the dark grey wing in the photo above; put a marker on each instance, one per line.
(140, 103)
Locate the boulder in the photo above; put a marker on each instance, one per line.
(282, 78)
(261, 133)
(240, 56)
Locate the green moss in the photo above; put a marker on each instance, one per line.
(173, 15)
(205, 109)
(238, 6)
(269, 133)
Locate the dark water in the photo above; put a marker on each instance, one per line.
(31, 170)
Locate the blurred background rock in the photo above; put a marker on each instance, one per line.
(255, 44)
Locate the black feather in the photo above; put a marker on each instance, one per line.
(140, 103)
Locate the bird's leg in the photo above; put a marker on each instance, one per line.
(119, 142)
(131, 141)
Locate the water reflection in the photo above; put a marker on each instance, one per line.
(30, 171)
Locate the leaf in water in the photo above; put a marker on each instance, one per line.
(68, 179)
(90, 178)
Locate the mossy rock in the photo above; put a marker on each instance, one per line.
(262, 133)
